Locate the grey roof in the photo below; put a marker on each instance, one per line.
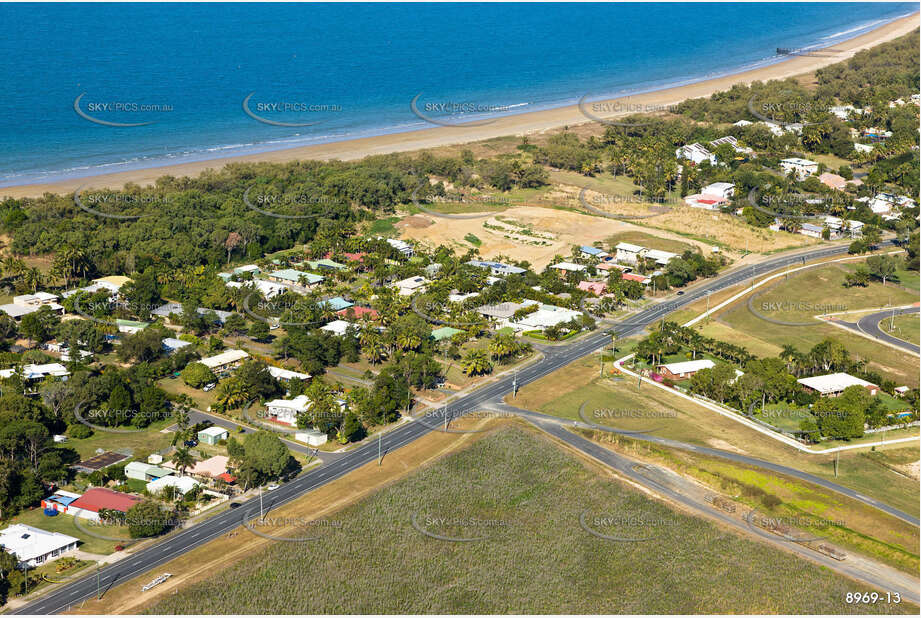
(501, 310)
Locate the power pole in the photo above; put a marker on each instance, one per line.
(837, 454)
(98, 585)
(261, 513)
(380, 457)
(515, 384)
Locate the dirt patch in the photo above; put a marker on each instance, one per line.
(414, 221)
(223, 552)
(723, 445)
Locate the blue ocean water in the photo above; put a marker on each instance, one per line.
(339, 71)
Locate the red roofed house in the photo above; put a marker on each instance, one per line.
(88, 505)
(359, 312)
(595, 287)
(633, 277)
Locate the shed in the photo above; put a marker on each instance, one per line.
(213, 435)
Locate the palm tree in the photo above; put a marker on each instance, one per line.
(33, 278)
(502, 347)
(476, 362)
(182, 459)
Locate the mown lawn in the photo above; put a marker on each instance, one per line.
(522, 497)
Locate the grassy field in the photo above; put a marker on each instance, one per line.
(797, 298)
(140, 443)
(523, 497)
(669, 416)
(904, 327)
(650, 242)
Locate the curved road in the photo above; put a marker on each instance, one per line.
(554, 358)
(869, 325)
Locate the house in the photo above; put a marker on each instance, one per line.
(842, 112)
(684, 370)
(545, 317)
(171, 344)
(59, 501)
(284, 375)
(248, 269)
(445, 332)
(901, 391)
(325, 264)
(839, 183)
(410, 286)
(595, 287)
(742, 123)
(638, 278)
(130, 327)
(731, 141)
(696, 153)
(312, 437)
(87, 506)
(883, 203)
(456, 297)
(811, 230)
(876, 134)
(724, 190)
(502, 311)
(183, 484)
(840, 227)
(34, 546)
(213, 435)
(294, 277)
(707, 202)
(662, 258)
(286, 410)
(225, 361)
(402, 246)
(212, 467)
(358, 312)
(337, 303)
(628, 253)
(775, 129)
(337, 327)
(112, 283)
(567, 267)
(266, 288)
(833, 384)
(863, 147)
(169, 309)
(38, 372)
(498, 268)
(592, 252)
(142, 471)
(25, 304)
(802, 168)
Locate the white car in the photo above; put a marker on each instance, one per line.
(272, 487)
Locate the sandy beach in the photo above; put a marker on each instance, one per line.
(521, 124)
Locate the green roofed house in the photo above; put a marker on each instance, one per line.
(141, 471)
(130, 327)
(445, 332)
(325, 264)
(336, 303)
(289, 275)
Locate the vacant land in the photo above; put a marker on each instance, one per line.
(521, 498)
(903, 326)
(621, 404)
(650, 242)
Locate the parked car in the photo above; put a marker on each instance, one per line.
(272, 487)
(208, 387)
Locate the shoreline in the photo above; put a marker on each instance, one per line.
(521, 124)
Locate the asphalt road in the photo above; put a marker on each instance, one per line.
(888, 580)
(869, 325)
(554, 358)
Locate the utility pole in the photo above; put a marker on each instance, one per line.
(98, 585)
(708, 305)
(261, 512)
(515, 384)
(837, 454)
(379, 447)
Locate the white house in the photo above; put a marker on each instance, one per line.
(38, 372)
(34, 546)
(696, 153)
(628, 253)
(312, 437)
(183, 484)
(722, 189)
(286, 410)
(410, 286)
(546, 316)
(268, 289)
(402, 246)
(279, 373)
(833, 384)
(225, 360)
(803, 168)
(863, 147)
(25, 304)
(731, 141)
(567, 266)
(884, 203)
(662, 258)
(337, 327)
